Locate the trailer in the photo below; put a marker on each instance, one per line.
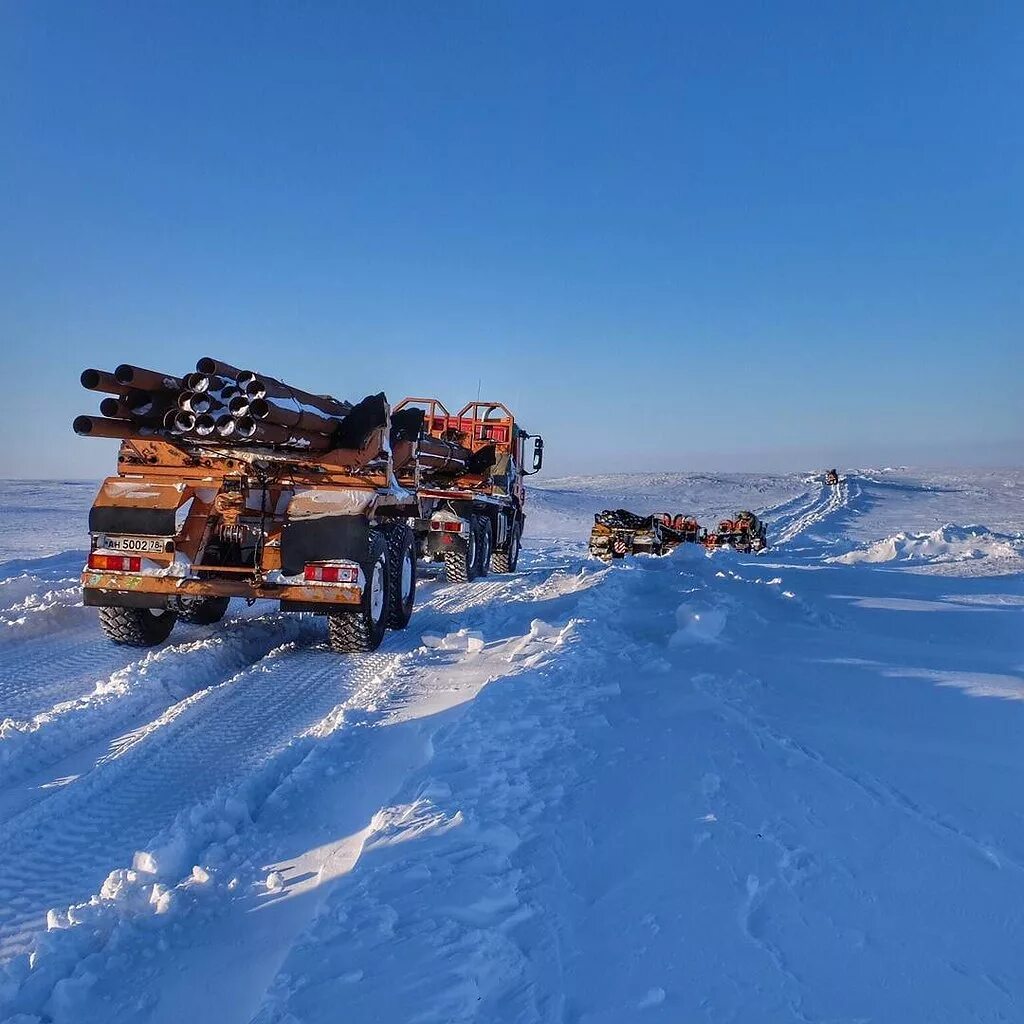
(299, 506)
(746, 533)
(468, 472)
(618, 532)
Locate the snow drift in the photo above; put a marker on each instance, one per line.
(949, 543)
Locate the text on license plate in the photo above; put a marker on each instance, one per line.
(106, 543)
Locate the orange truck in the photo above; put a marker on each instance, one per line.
(235, 484)
(469, 478)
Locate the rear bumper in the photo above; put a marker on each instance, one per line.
(124, 590)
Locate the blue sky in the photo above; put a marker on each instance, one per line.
(671, 235)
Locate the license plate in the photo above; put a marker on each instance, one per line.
(144, 545)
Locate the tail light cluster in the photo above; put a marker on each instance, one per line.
(332, 573)
(446, 525)
(115, 563)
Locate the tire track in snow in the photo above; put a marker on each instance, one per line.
(821, 506)
(145, 686)
(49, 683)
(60, 851)
(37, 672)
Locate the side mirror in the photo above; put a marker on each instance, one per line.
(538, 454)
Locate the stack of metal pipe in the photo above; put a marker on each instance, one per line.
(217, 404)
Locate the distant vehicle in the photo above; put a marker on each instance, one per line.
(469, 476)
(744, 533)
(617, 533)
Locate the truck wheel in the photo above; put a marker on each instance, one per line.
(402, 563)
(362, 629)
(460, 562)
(137, 627)
(483, 546)
(506, 561)
(202, 611)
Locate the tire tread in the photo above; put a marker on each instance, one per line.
(136, 627)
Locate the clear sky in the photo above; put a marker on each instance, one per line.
(672, 235)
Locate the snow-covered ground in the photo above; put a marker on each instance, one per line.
(728, 788)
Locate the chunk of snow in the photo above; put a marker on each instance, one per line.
(654, 997)
(698, 622)
(275, 881)
(469, 640)
(949, 543)
(144, 861)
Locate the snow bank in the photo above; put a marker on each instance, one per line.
(949, 543)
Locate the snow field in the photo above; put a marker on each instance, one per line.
(724, 788)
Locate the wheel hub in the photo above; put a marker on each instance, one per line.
(407, 574)
(377, 590)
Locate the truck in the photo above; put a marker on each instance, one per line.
(745, 532)
(469, 475)
(618, 532)
(232, 484)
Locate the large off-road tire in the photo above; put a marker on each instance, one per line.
(402, 564)
(507, 560)
(202, 611)
(460, 560)
(137, 627)
(362, 628)
(484, 545)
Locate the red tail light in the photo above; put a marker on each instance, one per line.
(115, 563)
(455, 527)
(331, 574)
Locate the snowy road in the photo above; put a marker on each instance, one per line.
(724, 789)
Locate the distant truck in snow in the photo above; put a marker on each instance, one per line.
(746, 533)
(617, 533)
(472, 509)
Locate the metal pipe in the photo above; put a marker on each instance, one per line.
(100, 380)
(261, 409)
(198, 402)
(141, 406)
(239, 406)
(204, 382)
(226, 424)
(256, 386)
(184, 422)
(273, 433)
(115, 408)
(205, 425)
(147, 380)
(96, 426)
(185, 400)
(245, 426)
(209, 365)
